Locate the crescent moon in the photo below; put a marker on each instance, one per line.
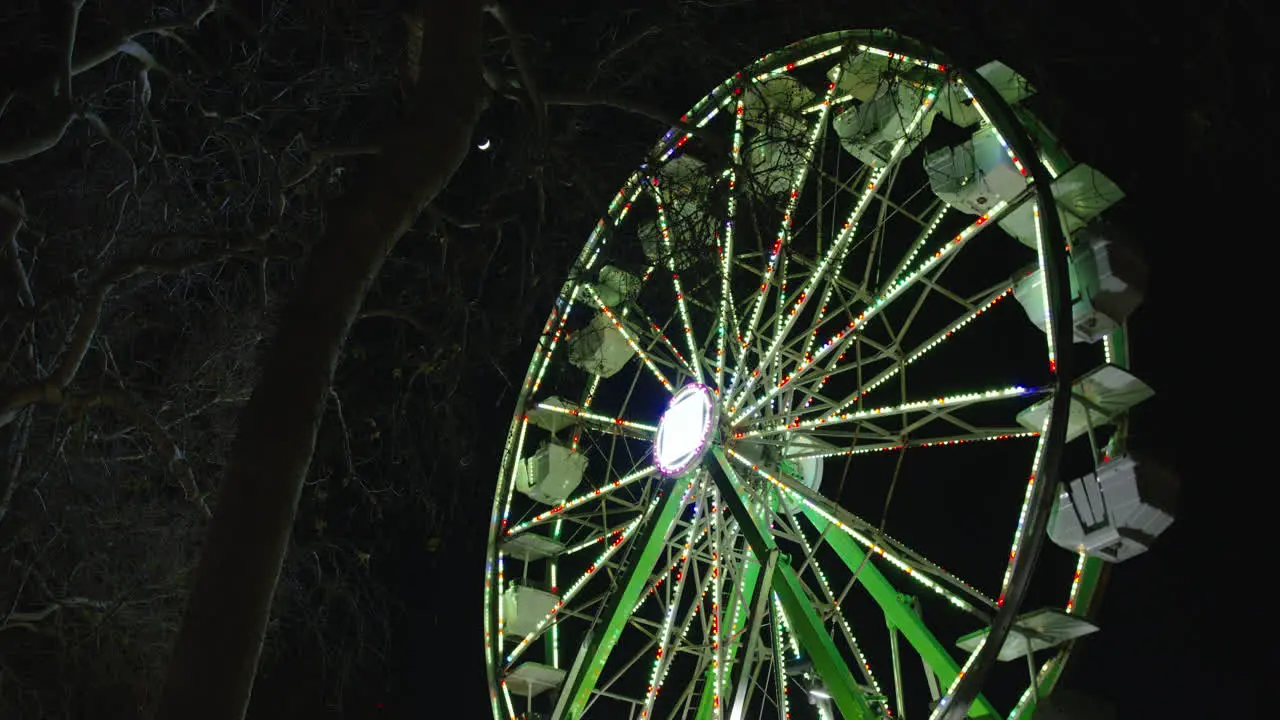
(484, 145)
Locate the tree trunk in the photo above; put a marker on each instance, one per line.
(211, 673)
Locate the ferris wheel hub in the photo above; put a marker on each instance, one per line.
(686, 430)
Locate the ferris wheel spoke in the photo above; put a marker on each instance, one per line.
(657, 334)
(834, 419)
(908, 561)
(597, 494)
(930, 283)
(815, 133)
(665, 508)
(631, 339)
(686, 322)
(837, 282)
(662, 663)
(727, 644)
(662, 577)
(946, 415)
(833, 260)
(603, 689)
(840, 340)
(922, 240)
(760, 579)
(982, 305)
(984, 435)
(599, 422)
(864, 667)
(727, 324)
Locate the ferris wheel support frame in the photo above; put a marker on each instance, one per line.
(902, 617)
(964, 693)
(801, 616)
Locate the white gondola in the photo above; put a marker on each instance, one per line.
(1081, 194)
(684, 182)
(527, 546)
(1098, 398)
(1107, 277)
(776, 154)
(954, 103)
(616, 287)
(870, 131)
(524, 608)
(1037, 630)
(600, 348)
(976, 174)
(1116, 512)
(551, 474)
(531, 679)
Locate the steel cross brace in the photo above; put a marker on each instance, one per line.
(803, 619)
(897, 613)
(750, 581)
(595, 651)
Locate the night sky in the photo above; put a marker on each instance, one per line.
(1143, 99)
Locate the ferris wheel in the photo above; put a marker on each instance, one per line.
(807, 405)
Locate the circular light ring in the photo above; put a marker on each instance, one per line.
(685, 431)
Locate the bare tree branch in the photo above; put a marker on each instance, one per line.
(523, 65)
(171, 455)
(28, 620)
(51, 388)
(400, 315)
(12, 467)
(58, 83)
(12, 218)
(635, 107)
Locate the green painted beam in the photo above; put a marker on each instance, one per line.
(591, 659)
(1120, 347)
(1086, 593)
(897, 613)
(801, 616)
(750, 578)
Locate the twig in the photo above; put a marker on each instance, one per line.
(72, 32)
(635, 107)
(27, 620)
(10, 226)
(51, 389)
(58, 82)
(13, 462)
(462, 224)
(171, 455)
(396, 315)
(36, 144)
(346, 436)
(323, 155)
(516, 39)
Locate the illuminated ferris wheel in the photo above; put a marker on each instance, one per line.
(797, 423)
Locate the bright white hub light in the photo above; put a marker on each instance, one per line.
(685, 429)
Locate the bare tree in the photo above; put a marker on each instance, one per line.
(212, 670)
